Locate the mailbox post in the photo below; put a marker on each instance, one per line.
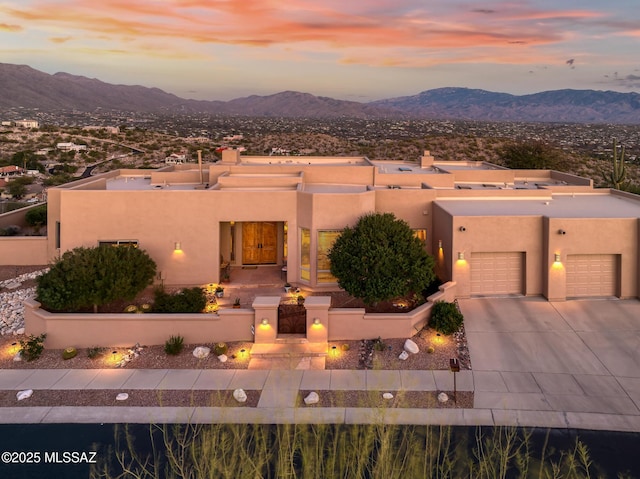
(454, 366)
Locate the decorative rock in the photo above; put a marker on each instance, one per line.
(17, 357)
(19, 331)
(26, 394)
(201, 352)
(13, 285)
(239, 395)
(403, 356)
(443, 398)
(122, 397)
(222, 358)
(387, 396)
(411, 347)
(312, 398)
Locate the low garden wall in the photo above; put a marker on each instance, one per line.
(23, 250)
(88, 330)
(85, 330)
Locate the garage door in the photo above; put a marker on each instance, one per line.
(497, 273)
(591, 275)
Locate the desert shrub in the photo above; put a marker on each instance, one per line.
(11, 230)
(189, 300)
(445, 317)
(174, 345)
(32, 347)
(220, 348)
(94, 352)
(379, 345)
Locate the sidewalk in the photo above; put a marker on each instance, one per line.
(493, 406)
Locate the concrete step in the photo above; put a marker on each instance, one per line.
(292, 339)
(289, 350)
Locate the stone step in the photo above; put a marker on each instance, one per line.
(292, 339)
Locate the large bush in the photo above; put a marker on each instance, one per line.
(85, 277)
(446, 318)
(380, 258)
(190, 300)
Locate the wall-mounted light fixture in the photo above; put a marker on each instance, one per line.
(462, 228)
(562, 232)
(439, 244)
(265, 321)
(316, 321)
(177, 246)
(461, 255)
(557, 257)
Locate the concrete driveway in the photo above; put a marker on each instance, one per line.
(575, 356)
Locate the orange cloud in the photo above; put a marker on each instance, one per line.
(10, 28)
(59, 39)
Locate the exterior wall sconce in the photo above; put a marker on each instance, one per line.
(439, 244)
(461, 256)
(265, 321)
(562, 232)
(316, 321)
(177, 246)
(462, 228)
(557, 257)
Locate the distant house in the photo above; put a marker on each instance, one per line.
(69, 146)
(175, 159)
(113, 130)
(11, 170)
(27, 123)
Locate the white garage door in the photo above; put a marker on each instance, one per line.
(591, 275)
(497, 273)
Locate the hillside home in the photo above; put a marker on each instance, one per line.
(493, 231)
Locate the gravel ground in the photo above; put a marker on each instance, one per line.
(374, 399)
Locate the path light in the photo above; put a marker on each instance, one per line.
(334, 351)
(243, 353)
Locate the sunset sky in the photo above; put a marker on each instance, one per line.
(348, 49)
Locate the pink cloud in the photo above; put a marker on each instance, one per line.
(10, 28)
(353, 31)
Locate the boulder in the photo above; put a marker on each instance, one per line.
(201, 352)
(312, 398)
(239, 395)
(17, 357)
(222, 358)
(25, 394)
(443, 398)
(19, 331)
(411, 347)
(122, 397)
(403, 356)
(387, 396)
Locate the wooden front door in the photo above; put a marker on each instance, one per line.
(259, 243)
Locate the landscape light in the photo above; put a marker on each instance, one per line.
(177, 246)
(461, 255)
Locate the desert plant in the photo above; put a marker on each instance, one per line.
(37, 217)
(69, 353)
(378, 344)
(615, 178)
(446, 318)
(132, 308)
(94, 352)
(174, 345)
(189, 300)
(32, 347)
(220, 348)
(236, 303)
(345, 347)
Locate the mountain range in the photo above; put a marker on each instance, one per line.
(23, 86)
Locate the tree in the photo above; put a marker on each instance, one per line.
(85, 277)
(380, 258)
(530, 155)
(37, 217)
(18, 186)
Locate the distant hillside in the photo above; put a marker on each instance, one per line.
(578, 106)
(22, 86)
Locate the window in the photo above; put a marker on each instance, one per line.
(421, 234)
(305, 254)
(325, 242)
(57, 234)
(132, 243)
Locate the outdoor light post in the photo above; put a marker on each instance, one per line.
(454, 366)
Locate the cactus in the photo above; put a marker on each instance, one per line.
(616, 177)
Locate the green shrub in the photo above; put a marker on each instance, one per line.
(32, 347)
(190, 300)
(94, 352)
(174, 345)
(220, 348)
(378, 344)
(69, 353)
(445, 317)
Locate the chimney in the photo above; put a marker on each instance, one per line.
(426, 159)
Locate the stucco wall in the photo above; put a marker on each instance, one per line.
(23, 250)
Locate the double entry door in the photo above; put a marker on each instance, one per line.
(259, 243)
